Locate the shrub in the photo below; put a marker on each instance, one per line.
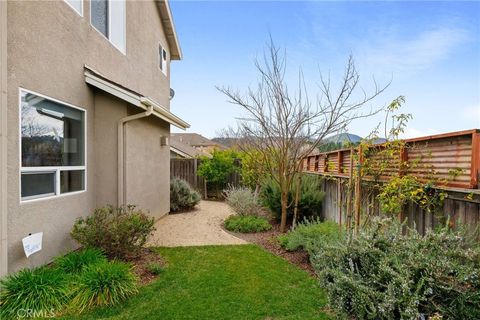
(310, 202)
(217, 169)
(384, 274)
(41, 291)
(182, 196)
(308, 233)
(119, 232)
(75, 262)
(155, 268)
(103, 284)
(242, 201)
(246, 224)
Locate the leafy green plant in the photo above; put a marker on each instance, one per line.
(383, 273)
(75, 262)
(103, 284)
(42, 292)
(120, 232)
(217, 169)
(242, 201)
(155, 268)
(309, 232)
(182, 196)
(310, 202)
(247, 224)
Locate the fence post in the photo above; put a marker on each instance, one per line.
(358, 189)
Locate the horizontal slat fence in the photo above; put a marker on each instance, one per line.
(451, 157)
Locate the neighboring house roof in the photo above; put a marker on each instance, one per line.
(169, 29)
(97, 80)
(185, 150)
(195, 140)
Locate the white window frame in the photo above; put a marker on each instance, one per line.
(74, 9)
(122, 50)
(48, 169)
(164, 63)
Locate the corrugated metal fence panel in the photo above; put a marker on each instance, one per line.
(449, 158)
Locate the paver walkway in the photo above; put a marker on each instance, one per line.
(195, 228)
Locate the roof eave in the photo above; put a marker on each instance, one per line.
(169, 29)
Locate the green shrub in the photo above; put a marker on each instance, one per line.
(75, 262)
(246, 224)
(155, 268)
(308, 233)
(242, 201)
(310, 202)
(120, 232)
(42, 292)
(182, 196)
(103, 284)
(385, 274)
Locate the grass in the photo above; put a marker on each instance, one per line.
(222, 282)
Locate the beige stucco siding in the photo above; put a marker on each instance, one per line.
(147, 166)
(48, 46)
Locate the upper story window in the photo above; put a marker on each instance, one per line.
(108, 17)
(162, 53)
(77, 5)
(52, 147)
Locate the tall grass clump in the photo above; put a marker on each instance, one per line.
(40, 292)
(103, 284)
(75, 262)
(242, 201)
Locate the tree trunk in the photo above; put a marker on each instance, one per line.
(283, 201)
(297, 199)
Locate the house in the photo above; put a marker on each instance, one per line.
(202, 145)
(85, 116)
(181, 150)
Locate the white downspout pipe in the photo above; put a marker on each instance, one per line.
(121, 152)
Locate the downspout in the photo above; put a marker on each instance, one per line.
(121, 152)
(3, 140)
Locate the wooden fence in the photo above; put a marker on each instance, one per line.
(457, 151)
(186, 169)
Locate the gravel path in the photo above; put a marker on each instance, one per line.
(195, 228)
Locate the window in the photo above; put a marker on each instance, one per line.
(76, 5)
(108, 17)
(52, 147)
(162, 53)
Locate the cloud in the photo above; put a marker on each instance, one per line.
(415, 133)
(413, 54)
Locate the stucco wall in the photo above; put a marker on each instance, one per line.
(48, 46)
(147, 166)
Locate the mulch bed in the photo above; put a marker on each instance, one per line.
(268, 241)
(141, 263)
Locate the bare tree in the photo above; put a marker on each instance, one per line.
(284, 127)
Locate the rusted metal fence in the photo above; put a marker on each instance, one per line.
(186, 169)
(453, 157)
(440, 154)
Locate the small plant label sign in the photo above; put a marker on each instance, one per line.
(32, 243)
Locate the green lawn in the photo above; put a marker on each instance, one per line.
(223, 282)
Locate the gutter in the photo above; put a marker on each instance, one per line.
(3, 140)
(121, 153)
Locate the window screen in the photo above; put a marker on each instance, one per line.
(99, 16)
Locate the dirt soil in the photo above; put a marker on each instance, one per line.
(140, 265)
(268, 241)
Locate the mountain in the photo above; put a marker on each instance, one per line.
(343, 138)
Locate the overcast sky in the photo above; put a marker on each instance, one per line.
(431, 50)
